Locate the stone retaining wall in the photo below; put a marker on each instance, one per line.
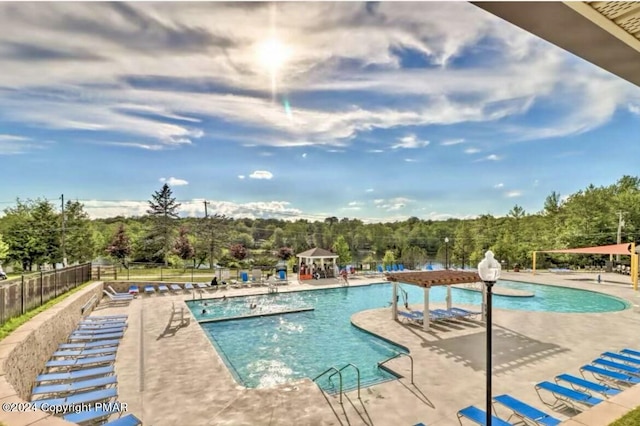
(24, 352)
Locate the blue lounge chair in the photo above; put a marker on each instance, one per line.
(388, 268)
(380, 270)
(581, 385)
(134, 290)
(623, 358)
(414, 316)
(96, 337)
(394, 268)
(603, 375)
(525, 411)
(400, 267)
(630, 352)
(89, 345)
(149, 289)
(80, 362)
(479, 416)
(201, 285)
(70, 376)
(107, 317)
(565, 396)
(617, 366)
(443, 314)
(96, 331)
(77, 399)
(162, 288)
(89, 416)
(115, 293)
(83, 385)
(85, 353)
(128, 420)
(113, 298)
(188, 286)
(92, 325)
(175, 287)
(463, 312)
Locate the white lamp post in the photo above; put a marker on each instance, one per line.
(489, 270)
(446, 252)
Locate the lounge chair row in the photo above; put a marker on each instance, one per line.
(438, 315)
(611, 372)
(81, 372)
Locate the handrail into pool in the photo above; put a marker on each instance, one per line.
(396, 356)
(357, 370)
(339, 375)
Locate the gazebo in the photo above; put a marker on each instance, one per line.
(324, 258)
(426, 280)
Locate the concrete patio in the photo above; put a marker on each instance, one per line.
(169, 372)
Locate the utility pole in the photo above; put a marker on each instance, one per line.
(64, 254)
(620, 225)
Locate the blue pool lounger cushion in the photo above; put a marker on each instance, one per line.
(479, 416)
(526, 411)
(566, 395)
(79, 398)
(75, 386)
(75, 375)
(88, 416)
(586, 384)
(128, 420)
(88, 345)
(610, 374)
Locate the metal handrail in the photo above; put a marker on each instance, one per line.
(339, 375)
(357, 371)
(397, 356)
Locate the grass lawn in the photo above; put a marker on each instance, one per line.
(16, 322)
(631, 419)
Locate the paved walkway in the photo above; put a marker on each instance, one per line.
(169, 372)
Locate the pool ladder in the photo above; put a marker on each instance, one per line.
(339, 373)
(398, 355)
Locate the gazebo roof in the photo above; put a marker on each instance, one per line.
(317, 253)
(432, 278)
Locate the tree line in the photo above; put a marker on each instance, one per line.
(34, 233)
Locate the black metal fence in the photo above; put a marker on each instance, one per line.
(19, 295)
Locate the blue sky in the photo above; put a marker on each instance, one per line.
(375, 111)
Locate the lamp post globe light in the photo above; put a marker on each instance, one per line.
(489, 270)
(446, 253)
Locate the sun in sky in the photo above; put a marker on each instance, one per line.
(272, 56)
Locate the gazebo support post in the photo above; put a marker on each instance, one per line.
(394, 302)
(425, 316)
(448, 297)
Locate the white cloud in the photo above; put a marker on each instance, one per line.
(451, 142)
(101, 54)
(13, 144)
(241, 176)
(174, 181)
(392, 204)
(490, 157)
(634, 108)
(261, 174)
(195, 208)
(410, 142)
(513, 194)
(536, 183)
(304, 155)
(355, 203)
(410, 160)
(368, 190)
(375, 151)
(471, 151)
(378, 201)
(498, 185)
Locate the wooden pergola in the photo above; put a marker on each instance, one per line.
(426, 280)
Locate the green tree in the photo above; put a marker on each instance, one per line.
(4, 249)
(341, 248)
(120, 246)
(163, 208)
(389, 258)
(79, 241)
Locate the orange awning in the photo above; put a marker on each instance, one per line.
(624, 248)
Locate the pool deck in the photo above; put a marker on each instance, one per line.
(169, 372)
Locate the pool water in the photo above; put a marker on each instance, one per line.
(266, 351)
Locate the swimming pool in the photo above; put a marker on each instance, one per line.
(265, 351)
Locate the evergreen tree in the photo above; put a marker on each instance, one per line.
(4, 249)
(163, 208)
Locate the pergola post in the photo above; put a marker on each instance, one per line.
(394, 302)
(425, 316)
(448, 297)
